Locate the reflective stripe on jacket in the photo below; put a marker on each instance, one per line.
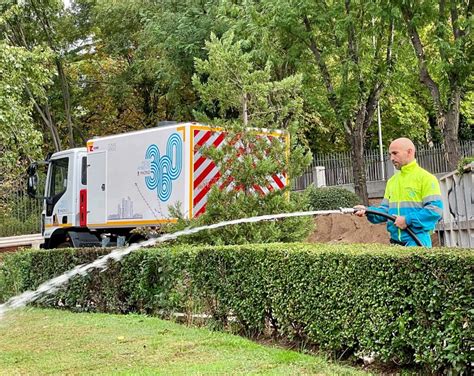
(415, 194)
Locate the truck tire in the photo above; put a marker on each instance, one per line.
(65, 244)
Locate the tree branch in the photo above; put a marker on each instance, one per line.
(47, 120)
(352, 47)
(322, 67)
(371, 104)
(440, 33)
(376, 92)
(389, 57)
(457, 32)
(425, 77)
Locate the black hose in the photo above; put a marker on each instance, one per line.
(393, 218)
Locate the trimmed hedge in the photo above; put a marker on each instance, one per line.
(403, 305)
(331, 198)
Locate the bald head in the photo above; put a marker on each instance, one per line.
(402, 151)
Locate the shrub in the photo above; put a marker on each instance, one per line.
(412, 307)
(464, 162)
(219, 208)
(331, 198)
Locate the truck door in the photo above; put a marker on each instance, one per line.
(58, 202)
(96, 188)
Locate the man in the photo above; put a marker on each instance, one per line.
(412, 195)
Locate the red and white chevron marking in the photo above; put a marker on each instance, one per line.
(206, 173)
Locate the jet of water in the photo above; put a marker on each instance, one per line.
(52, 285)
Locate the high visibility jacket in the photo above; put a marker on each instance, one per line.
(413, 193)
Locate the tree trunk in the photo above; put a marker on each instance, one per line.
(449, 124)
(356, 140)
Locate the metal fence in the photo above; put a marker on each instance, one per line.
(338, 166)
(19, 214)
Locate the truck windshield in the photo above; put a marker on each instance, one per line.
(58, 180)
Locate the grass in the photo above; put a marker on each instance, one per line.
(40, 341)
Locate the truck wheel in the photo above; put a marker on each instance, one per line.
(66, 244)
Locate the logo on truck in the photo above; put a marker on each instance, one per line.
(165, 168)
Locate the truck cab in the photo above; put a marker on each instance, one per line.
(66, 178)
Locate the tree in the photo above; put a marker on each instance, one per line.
(157, 42)
(445, 59)
(21, 71)
(405, 107)
(241, 98)
(35, 23)
(344, 49)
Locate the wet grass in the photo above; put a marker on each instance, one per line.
(37, 341)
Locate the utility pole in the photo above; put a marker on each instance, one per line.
(382, 159)
(379, 121)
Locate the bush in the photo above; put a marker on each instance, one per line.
(11, 226)
(464, 162)
(331, 198)
(224, 206)
(412, 307)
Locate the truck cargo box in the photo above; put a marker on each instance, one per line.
(133, 178)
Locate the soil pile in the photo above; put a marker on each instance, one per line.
(344, 228)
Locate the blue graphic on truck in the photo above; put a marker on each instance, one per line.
(165, 168)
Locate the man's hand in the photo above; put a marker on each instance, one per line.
(400, 222)
(360, 210)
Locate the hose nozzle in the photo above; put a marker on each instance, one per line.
(347, 210)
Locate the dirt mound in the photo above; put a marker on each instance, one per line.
(338, 228)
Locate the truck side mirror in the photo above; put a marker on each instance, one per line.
(32, 185)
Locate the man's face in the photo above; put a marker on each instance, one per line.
(399, 155)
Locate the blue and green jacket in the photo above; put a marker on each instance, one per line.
(415, 194)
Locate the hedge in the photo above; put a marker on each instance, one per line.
(409, 306)
(330, 198)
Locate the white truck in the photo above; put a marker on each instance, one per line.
(99, 193)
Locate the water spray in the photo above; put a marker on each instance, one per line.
(52, 285)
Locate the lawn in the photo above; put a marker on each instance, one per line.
(40, 341)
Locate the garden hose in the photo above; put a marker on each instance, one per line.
(393, 218)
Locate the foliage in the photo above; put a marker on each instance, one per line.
(218, 209)
(124, 65)
(155, 44)
(411, 307)
(441, 37)
(331, 198)
(347, 54)
(39, 24)
(464, 162)
(20, 70)
(12, 224)
(259, 117)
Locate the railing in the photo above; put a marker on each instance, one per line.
(32, 240)
(338, 166)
